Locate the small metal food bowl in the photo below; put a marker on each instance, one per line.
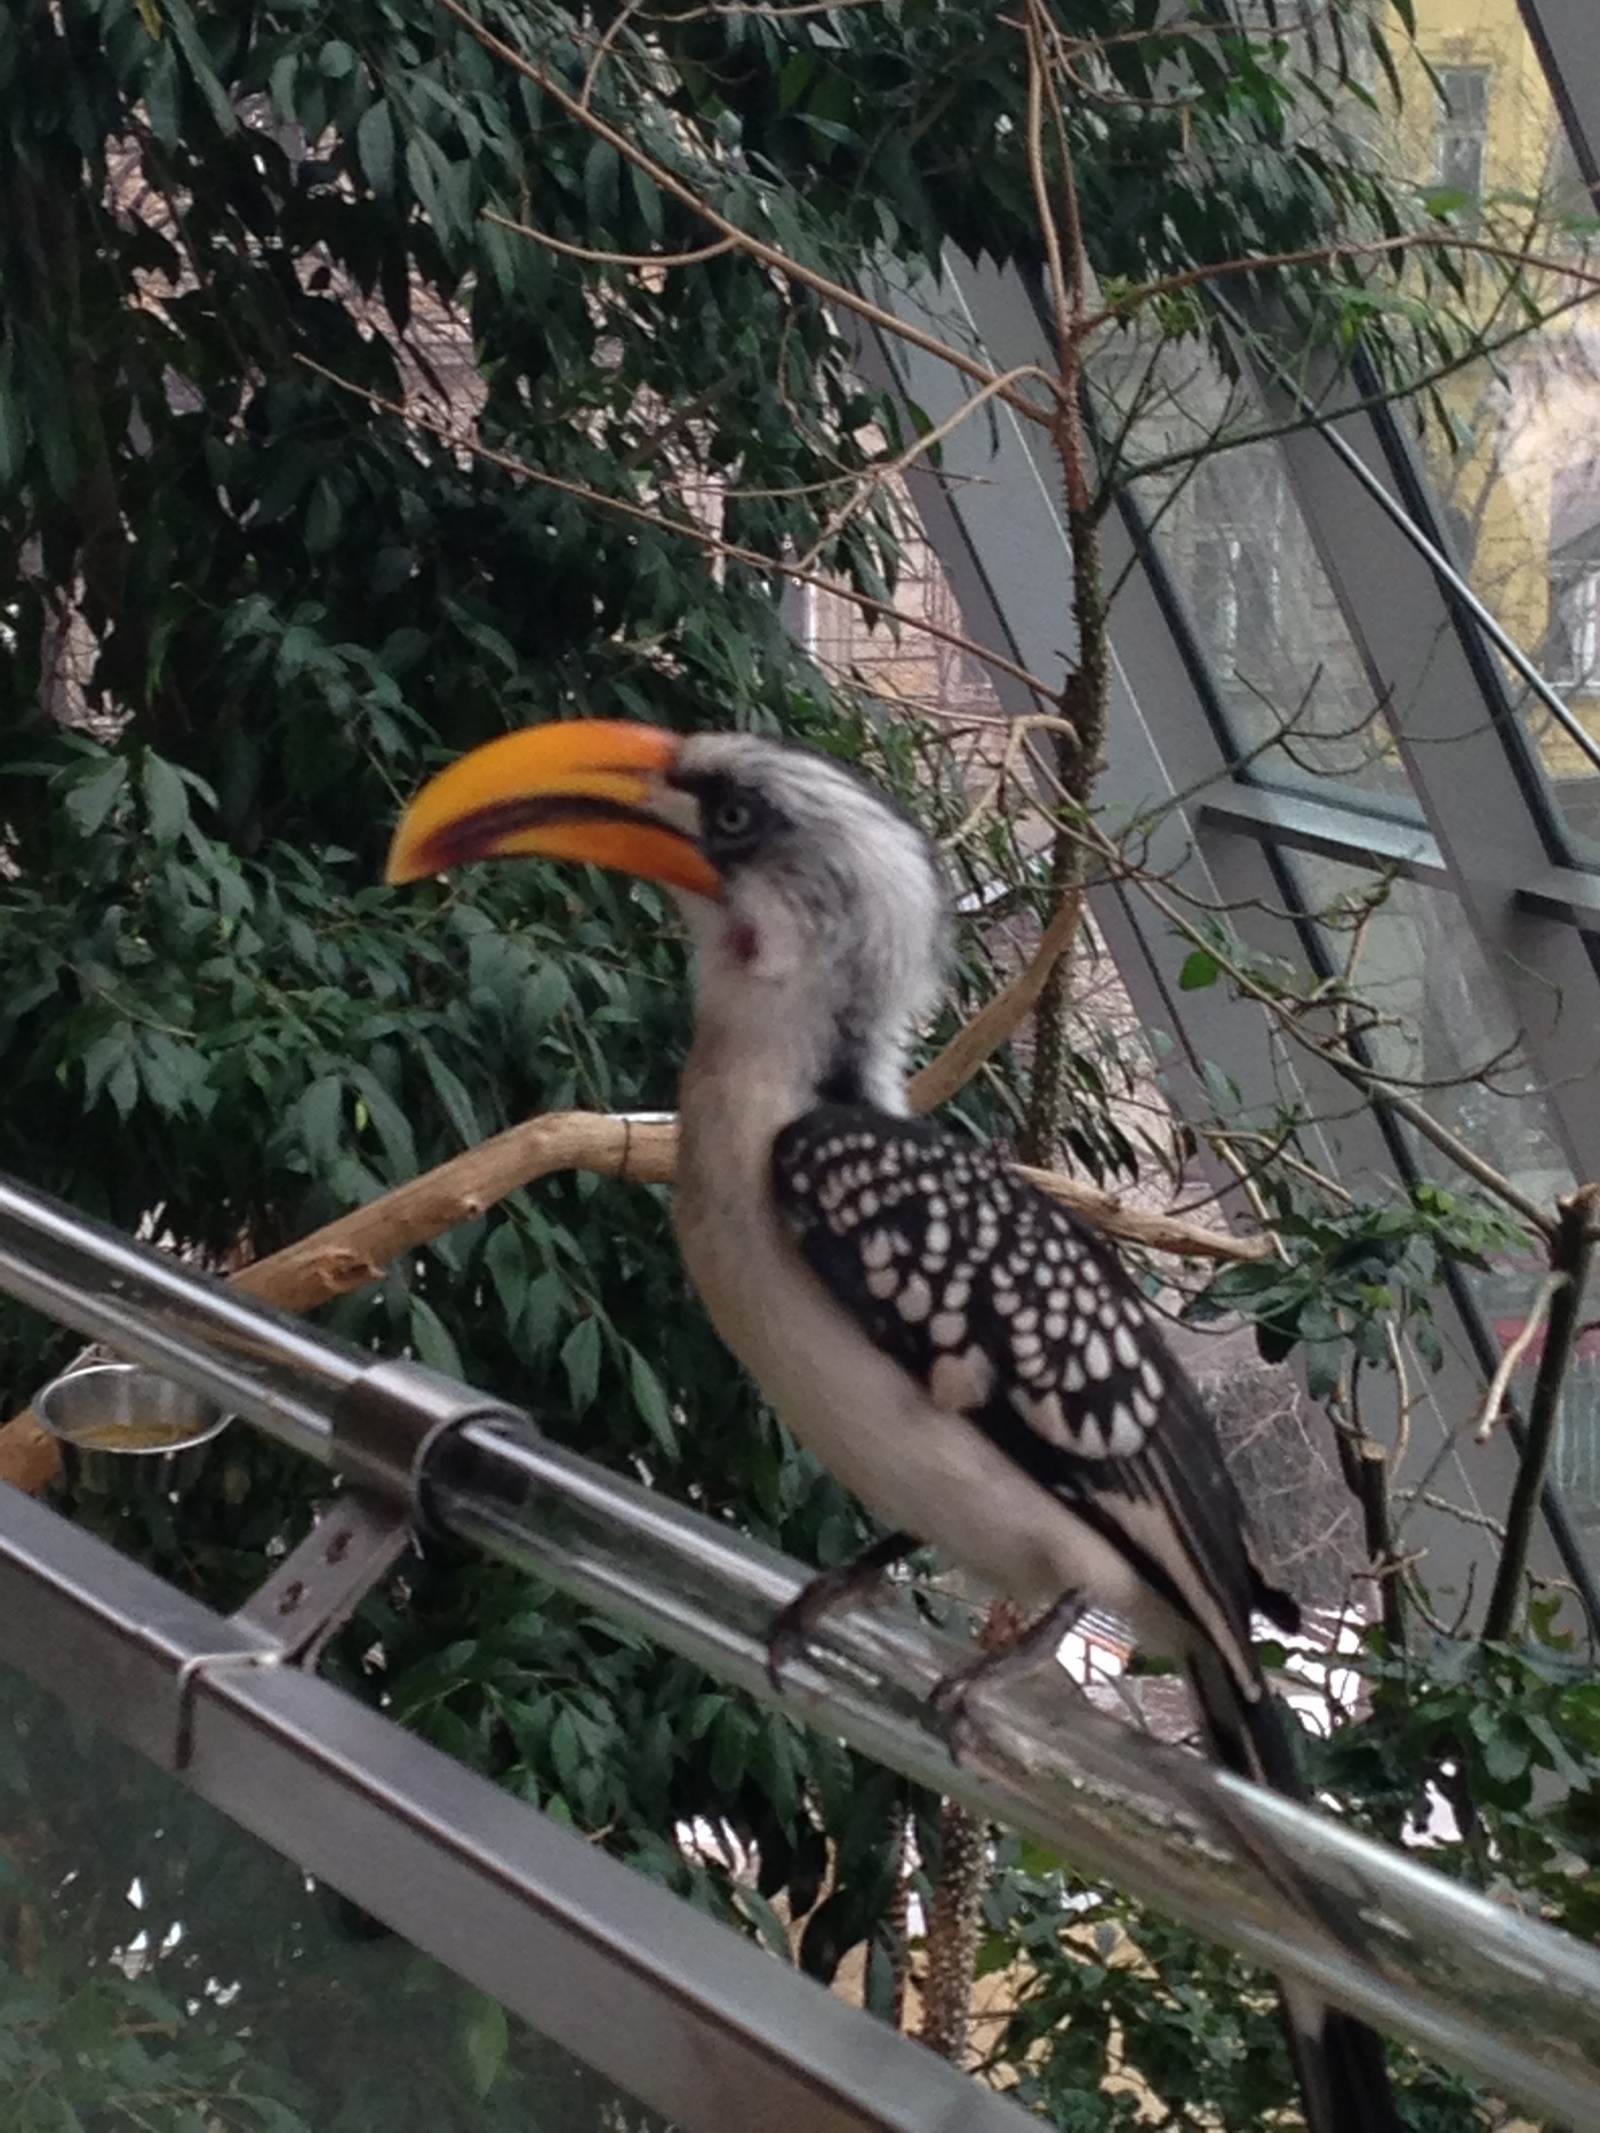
(125, 1431)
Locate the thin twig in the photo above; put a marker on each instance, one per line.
(919, 446)
(1331, 254)
(1571, 1250)
(1016, 732)
(1506, 1369)
(1405, 1402)
(1353, 1070)
(998, 1020)
(593, 257)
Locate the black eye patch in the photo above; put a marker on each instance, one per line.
(735, 819)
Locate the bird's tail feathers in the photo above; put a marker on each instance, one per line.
(1339, 2064)
(1248, 1735)
(1338, 2060)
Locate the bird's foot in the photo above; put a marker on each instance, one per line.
(1041, 1640)
(794, 1625)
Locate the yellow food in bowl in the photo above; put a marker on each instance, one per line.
(132, 1437)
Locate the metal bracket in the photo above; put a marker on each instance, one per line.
(389, 1422)
(193, 1671)
(384, 1429)
(319, 1585)
(309, 1597)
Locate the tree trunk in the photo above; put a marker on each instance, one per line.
(955, 1917)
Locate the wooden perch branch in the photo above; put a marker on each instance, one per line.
(354, 1250)
(1104, 1211)
(349, 1253)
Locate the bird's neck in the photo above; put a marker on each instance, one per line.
(776, 1053)
(788, 1016)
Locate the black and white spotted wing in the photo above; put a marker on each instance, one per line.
(1009, 1310)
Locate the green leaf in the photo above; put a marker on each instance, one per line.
(174, 1078)
(1200, 969)
(506, 1261)
(122, 1084)
(13, 429)
(543, 998)
(431, 1338)
(650, 1398)
(602, 168)
(375, 147)
(546, 1304)
(795, 72)
(92, 799)
(648, 195)
(387, 1120)
(1505, 1758)
(319, 1120)
(451, 1092)
(755, 1907)
(322, 518)
(425, 166)
(580, 1358)
(732, 1737)
(281, 83)
(1220, 1087)
(102, 1059)
(486, 2040)
(166, 802)
(187, 35)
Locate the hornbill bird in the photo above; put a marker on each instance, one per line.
(954, 1346)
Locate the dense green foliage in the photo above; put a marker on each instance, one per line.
(245, 609)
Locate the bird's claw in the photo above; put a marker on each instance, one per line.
(793, 1625)
(949, 1700)
(787, 1639)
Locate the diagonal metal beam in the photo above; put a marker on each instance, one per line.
(1563, 33)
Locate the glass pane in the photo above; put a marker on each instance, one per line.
(1439, 1014)
(1298, 703)
(162, 1971)
(1519, 482)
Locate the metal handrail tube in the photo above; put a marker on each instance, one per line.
(249, 1358)
(1500, 1995)
(1503, 1996)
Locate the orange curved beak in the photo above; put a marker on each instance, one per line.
(583, 789)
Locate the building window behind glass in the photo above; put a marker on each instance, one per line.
(1575, 628)
(1236, 582)
(1462, 130)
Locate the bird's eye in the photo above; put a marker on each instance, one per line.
(732, 818)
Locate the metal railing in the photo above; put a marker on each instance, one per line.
(1500, 1995)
